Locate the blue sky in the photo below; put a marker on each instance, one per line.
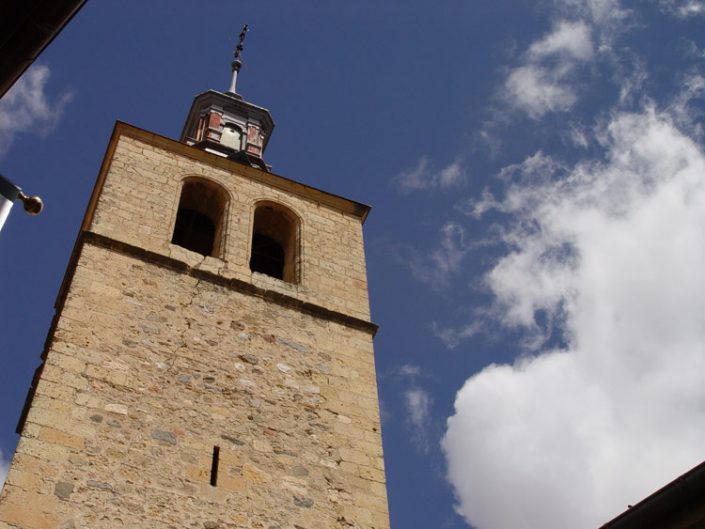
(535, 249)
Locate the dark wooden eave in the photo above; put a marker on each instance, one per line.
(678, 505)
(26, 28)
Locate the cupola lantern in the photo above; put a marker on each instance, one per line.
(223, 123)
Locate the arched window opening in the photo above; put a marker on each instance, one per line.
(194, 231)
(199, 220)
(275, 242)
(267, 256)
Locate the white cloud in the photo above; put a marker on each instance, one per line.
(546, 81)
(578, 137)
(538, 91)
(422, 176)
(604, 15)
(452, 337)
(630, 75)
(552, 73)
(682, 108)
(684, 8)
(418, 404)
(418, 408)
(444, 262)
(572, 39)
(4, 467)
(409, 370)
(694, 51)
(26, 107)
(612, 253)
(537, 168)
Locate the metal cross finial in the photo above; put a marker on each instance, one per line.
(239, 48)
(237, 63)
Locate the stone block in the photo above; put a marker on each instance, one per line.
(57, 437)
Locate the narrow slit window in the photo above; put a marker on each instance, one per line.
(214, 466)
(200, 217)
(275, 236)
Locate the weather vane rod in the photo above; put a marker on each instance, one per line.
(237, 63)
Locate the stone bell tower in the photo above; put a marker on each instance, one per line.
(210, 363)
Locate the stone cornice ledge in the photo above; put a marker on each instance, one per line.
(237, 285)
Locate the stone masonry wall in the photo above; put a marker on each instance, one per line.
(149, 369)
(139, 202)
